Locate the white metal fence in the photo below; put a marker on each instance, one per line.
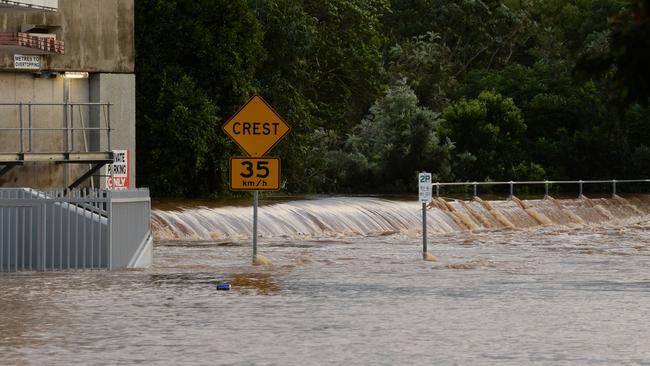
(546, 183)
(73, 229)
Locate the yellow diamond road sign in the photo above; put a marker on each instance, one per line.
(256, 128)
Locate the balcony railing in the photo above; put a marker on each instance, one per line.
(29, 43)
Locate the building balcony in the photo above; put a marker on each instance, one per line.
(31, 43)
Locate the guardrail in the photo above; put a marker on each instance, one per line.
(25, 124)
(35, 42)
(546, 183)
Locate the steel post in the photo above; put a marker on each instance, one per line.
(424, 230)
(108, 126)
(20, 117)
(255, 202)
(545, 189)
(29, 111)
(580, 188)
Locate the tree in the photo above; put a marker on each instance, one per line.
(322, 72)
(425, 63)
(183, 132)
(396, 140)
(481, 33)
(490, 128)
(194, 69)
(630, 45)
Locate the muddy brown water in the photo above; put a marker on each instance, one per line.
(346, 292)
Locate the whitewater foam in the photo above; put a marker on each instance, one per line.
(343, 217)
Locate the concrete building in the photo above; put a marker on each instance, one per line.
(67, 120)
(61, 64)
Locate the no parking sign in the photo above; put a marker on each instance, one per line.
(117, 174)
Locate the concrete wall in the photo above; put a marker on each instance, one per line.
(98, 35)
(20, 87)
(118, 89)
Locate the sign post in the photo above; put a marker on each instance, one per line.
(256, 128)
(424, 193)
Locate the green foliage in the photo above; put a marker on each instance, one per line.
(490, 128)
(527, 171)
(324, 59)
(185, 127)
(194, 68)
(479, 33)
(322, 72)
(630, 45)
(395, 141)
(529, 89)
(425, 62)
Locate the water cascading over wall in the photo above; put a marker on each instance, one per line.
(350, 217)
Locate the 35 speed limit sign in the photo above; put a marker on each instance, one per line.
(254, 174)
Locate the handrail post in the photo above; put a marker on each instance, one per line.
(545, 188)
(437, 189)
(512, 188)
(66, 131)
(580, 190)
(613, 187)
(71, 127)
(475, 189)
(20, 117)
(29, 131)
(108, 124)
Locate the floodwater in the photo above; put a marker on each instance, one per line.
(347, 293)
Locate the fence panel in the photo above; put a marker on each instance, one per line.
(64, 229)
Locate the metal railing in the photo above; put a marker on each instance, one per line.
(546, 183)
(45, 44)
(26, 121)
(72, 229)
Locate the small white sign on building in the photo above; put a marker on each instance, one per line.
(27, 62)
(425, 186)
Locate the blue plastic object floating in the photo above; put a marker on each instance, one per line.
(224, 286)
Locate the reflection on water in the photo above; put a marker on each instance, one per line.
(258, 283)
(541, 294)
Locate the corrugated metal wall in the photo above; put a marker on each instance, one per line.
(72, 229)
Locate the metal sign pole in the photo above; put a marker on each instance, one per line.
(254, 225)
(424, 193)
(424, 230)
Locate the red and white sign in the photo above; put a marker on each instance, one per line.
(117, 174)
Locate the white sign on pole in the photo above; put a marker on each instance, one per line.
(117, 174)
(424, 180)
(27, 62)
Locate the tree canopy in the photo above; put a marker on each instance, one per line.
(377, 90)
